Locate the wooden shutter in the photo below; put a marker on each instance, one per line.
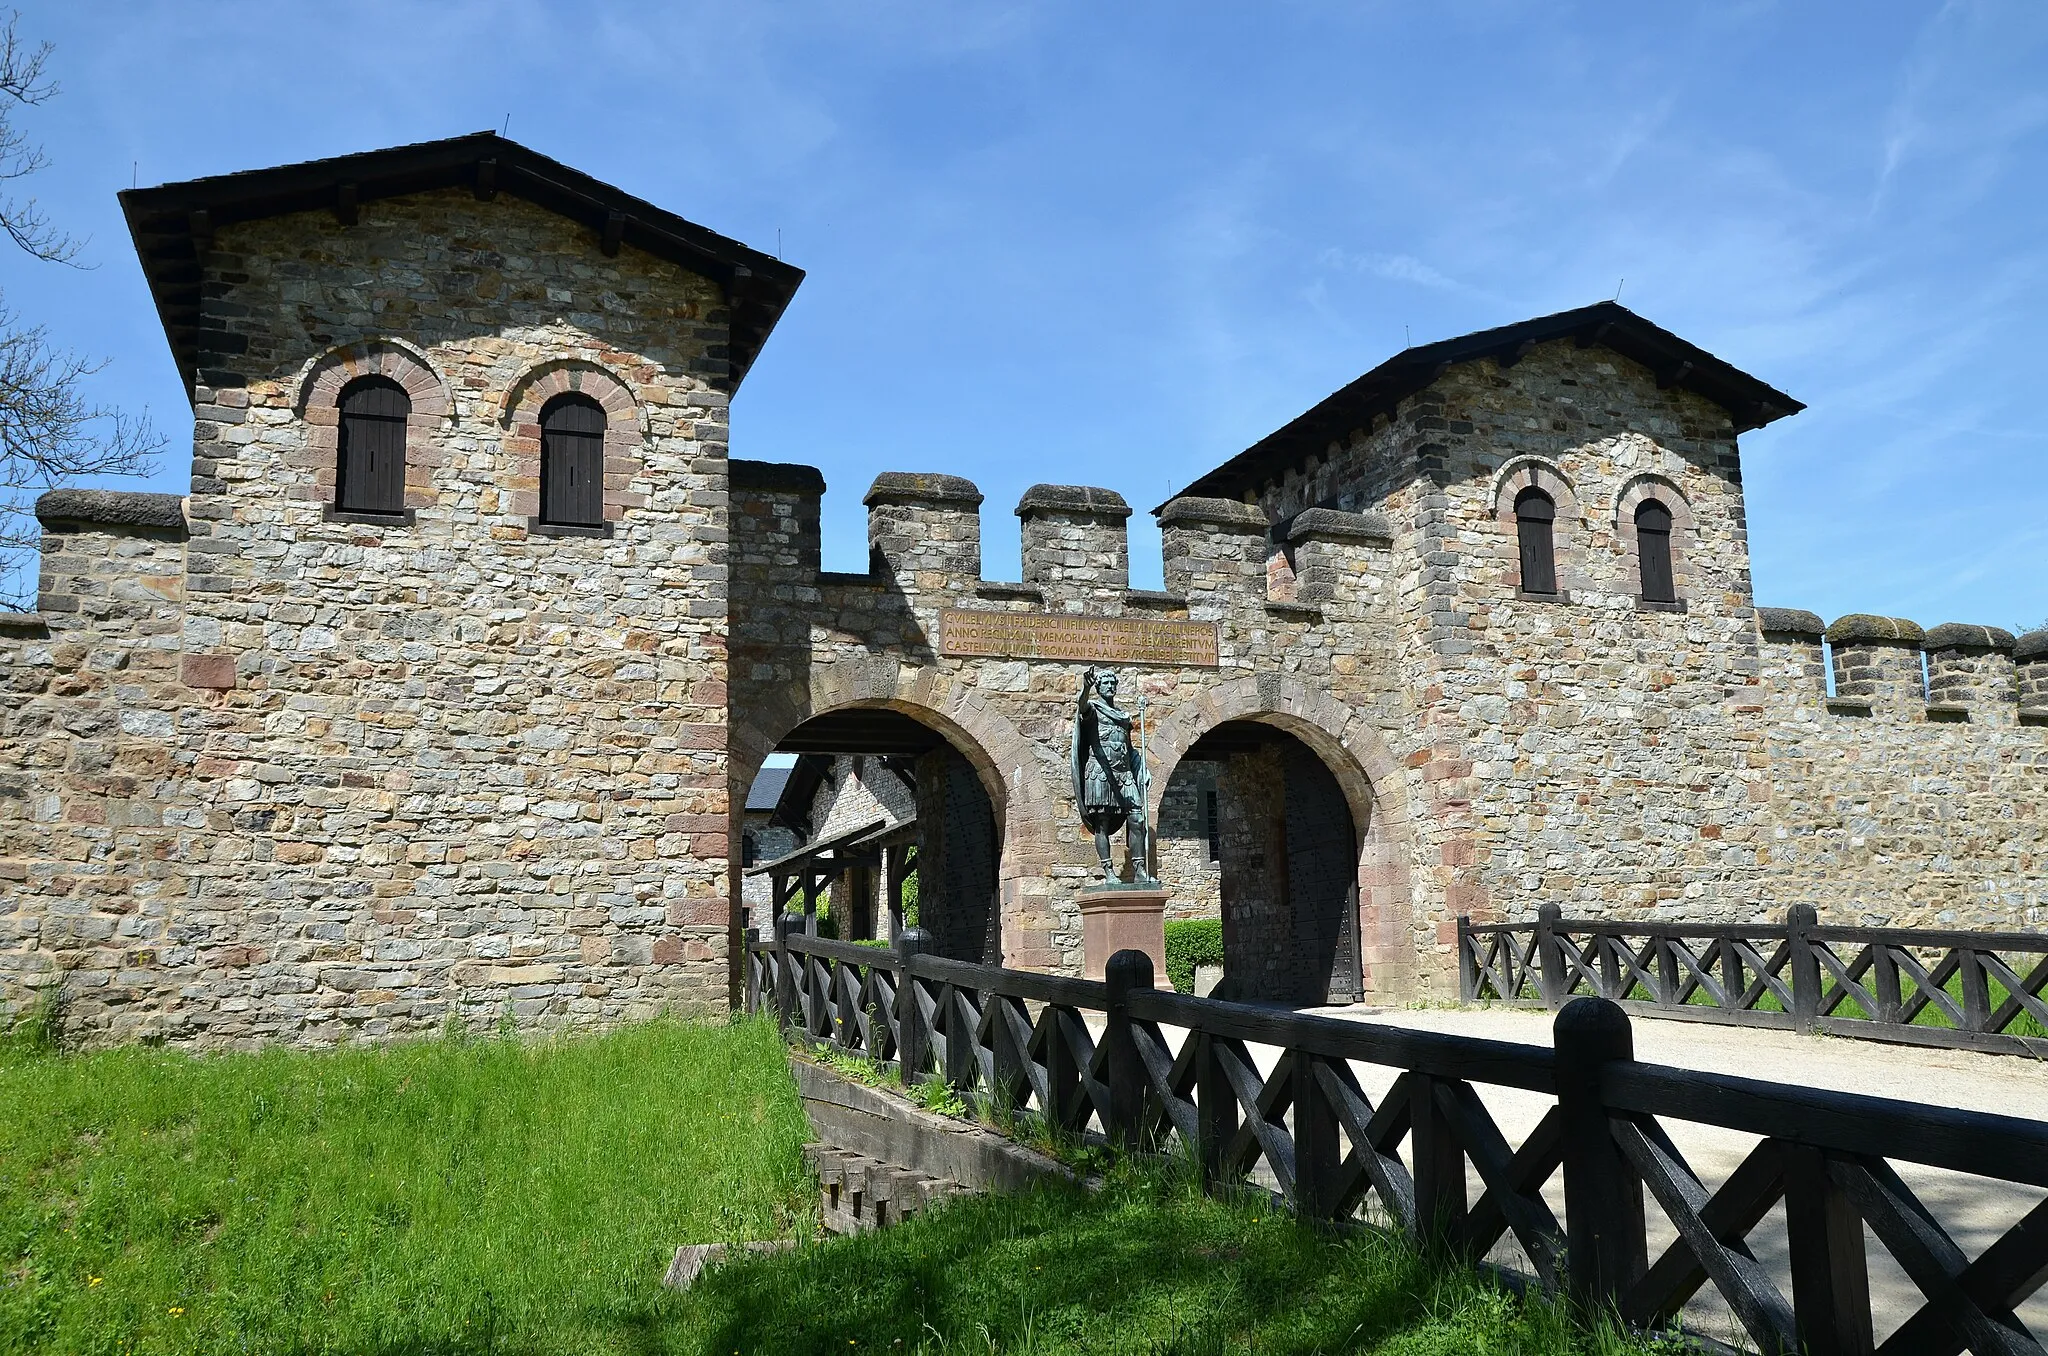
(572, 462)
(370, 471)
(1535, 520)
(1653, 550)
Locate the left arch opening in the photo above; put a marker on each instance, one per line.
(879, 823)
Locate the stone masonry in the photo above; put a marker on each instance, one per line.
(273, 772)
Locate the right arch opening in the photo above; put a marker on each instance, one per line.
(1255, 829)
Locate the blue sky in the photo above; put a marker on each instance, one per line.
(1114, 244)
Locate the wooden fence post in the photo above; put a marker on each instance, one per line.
(747, 968)
(1830, 1274)
(1549, 956)
(1126, 970)
(1603, 1197)
(1318, 1157)
(1215, 1107)
(1468, 968)
(913, 1041)
(785, 969)
(1800, 919)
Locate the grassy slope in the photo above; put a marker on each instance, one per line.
(1147, 1267)
(489, 1196)
(411, 1198)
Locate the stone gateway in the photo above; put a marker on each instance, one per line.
(440, 694)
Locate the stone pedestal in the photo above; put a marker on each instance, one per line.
(1130, 918)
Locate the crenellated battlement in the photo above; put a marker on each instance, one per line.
(924, 543)
(1889, 668)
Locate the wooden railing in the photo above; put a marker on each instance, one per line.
(1152, 1069)
(1963, 990)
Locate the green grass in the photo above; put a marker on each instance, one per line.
(493, 1196)
(436, 1196)
(1146, 1266)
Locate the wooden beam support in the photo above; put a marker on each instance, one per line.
(1674, 376)
(1508, 357)
(200, 224)
(1596, 335)
(345, 204)
(614, 233)
(486, 180)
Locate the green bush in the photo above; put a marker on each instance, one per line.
(1191, 942)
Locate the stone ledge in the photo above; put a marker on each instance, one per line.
(402, 518)
(1677, 605)
(1295, 611)
(1963, 636)
(21, 621)
(112, 508)
(881, 1125)
(848, 579)
(536, 528)
(1790, 621)
(921, 487)
(1216, 512)
(1083, 499)
(1158, 598)
(1849, 706)
(1335, 525)
(998, 591)
(2032, 645)
(1948, 713)
(788, 476)
(1864, 628)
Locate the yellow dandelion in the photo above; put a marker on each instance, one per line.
(92, 1281)
(177, 1311)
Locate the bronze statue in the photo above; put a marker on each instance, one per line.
(1111, 781)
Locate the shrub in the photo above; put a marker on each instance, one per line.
(1191, 942)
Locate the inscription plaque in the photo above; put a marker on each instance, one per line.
(1055, 635)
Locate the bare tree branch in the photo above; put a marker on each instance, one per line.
(50, 431)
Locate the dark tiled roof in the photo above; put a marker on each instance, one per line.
(767, 788)
(1749, 402)
(170, 223)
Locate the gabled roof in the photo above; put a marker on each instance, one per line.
(1749, 402)
(168, 221)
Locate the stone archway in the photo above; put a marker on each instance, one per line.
(1373, 785)
(1011, 769)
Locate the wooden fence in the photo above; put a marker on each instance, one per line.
(1168, 1068)
(1964, 990)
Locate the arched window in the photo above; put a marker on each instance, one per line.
(1535, 521)
(1653, 550)
(370, 469)
(572, 462)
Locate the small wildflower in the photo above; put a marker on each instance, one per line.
(177, 1311)
(92, 1281)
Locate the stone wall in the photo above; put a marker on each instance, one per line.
(1896, 805)
(394, 772)
(1185, 864)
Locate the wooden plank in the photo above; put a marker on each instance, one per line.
(1830, 1275)
(1736, 1208)
(1930, 1257)
(1741, 1280)
(1482, 1061)
(2004, 1148)
(2003, 1276)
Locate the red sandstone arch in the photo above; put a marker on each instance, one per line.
(1374, 787)
(1012, 769)
(321, 380)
